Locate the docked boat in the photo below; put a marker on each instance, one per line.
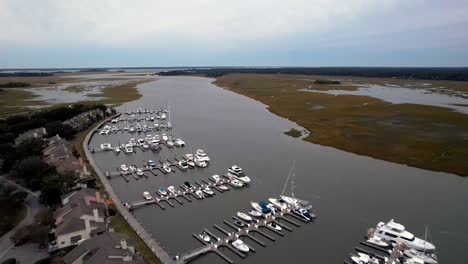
(274, 226)
(238, 223)
(302, 213)
(278, 203)
(151, 163)
(240, 245)
(169, 125)
(147, 196)
(166, 167)
(223, 187)
(362, 258)
(164, 137)
(172, 189)
(128, 148)
(255, 213)
(140, 142)
(179, 142)
(237, 183)
(189, 156)
(295, 202)
(156, 139)
(199, 194)
(244, 216)
(427, 258)
(188, 185)
(145, 146)
(170, 143)
(208, 191)
(117, 149)
(163, 116)
(139, 172)
(155, 146)
(124, 167)
(133, 168)
(132, 142)
(106, 146)
(201, 155)
(394, 231)
(216, 178)
(377, 241)
(237, 173)
(163, 191)
(200, 163)
(183, 164)
(205, 237)
(256, 206)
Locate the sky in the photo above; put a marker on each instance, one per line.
(132, 33)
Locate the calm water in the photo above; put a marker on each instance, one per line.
(351, 192)
(401, 95)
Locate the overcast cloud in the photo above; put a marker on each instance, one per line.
(90, 33)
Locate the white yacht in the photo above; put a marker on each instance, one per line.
(128, 148)
(201, 155)
(106, 146)
(164, 137)
(124, 167)
(179, 142)
(295, 202)
(378, 241)
(216, 178)
(131, 129)
(237, 183)
(170, 143)
(278, 203)
(155, 139)
(147, 196)
(236, 172)
(172, 189)
(256, 206)
(396, 233)
(208, 191)
(255, 213)
(163, 116)
(244, 216)
(427, 258)
(362, 258)
(200, 163)
(240, 245)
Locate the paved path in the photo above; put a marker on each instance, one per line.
(7, 248)
(162, 255)
(5, 180)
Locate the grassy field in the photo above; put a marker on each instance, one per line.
(427, 137)
(119, 94)
(121, 226)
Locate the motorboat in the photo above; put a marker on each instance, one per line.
(188, 185)
(147, 196)
(208, 191)
(413, 261)
(148, 138)
(278, 203)
(294, 202)
(126, 128)
(255, 213)
(106, 146)
(223, 187)
(378, 241)
(427, 258)
(169, 125)
(117, 149)
(128, 148)
(124, 167)
(393, 231)
(132, 142)
(302, 213)
(164, 137)
(237, 173)
(162, 126)
(183, 164)
(156, 126)
(274, 226)
(172, 189)
(179, 142)
(145, 146)
(238, 223)
(244, 216)
(166, 167)
(236, 183)
(201, 155)
(139, 172)
(200, 163)
(205, 237)
(155, 146)
(163, 116)
(191, 163)
(199, 194)
(133, 168)
(163, 191)
(256, 206)
(131, 129)
(140, 141)
(189, 156)
(216, 178)
(240, 245)
(150, 128)
(151, 163)
(155, 139)
(170, 143)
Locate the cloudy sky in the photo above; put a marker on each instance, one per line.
(113, 33)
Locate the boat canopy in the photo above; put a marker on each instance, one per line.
(263, 204)
(266, 210)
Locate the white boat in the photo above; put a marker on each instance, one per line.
(223, 187)
(394, 231)
(378, 241)
(362, 258)
(189, 156)
(132, 142)
(237, 173)
(169, 125)
(139, 172)
(128, 148)
(255, 213)
(124, 167)
(164, 137)
(295, 202)
(172, 189)
(133, 168)
(106, 146)
(201, 155)
(163, 191)
(140, 141)
(145, 146)
(256, 206)
(244, 216)
(200, 163)
(170, 143)
(117, 149)
(155, 139)
(278, 203)
(163, 116)
(183, 164)
(131, 129)
(216, 178)
(166, 167)
(237, 183)
(208, 191)
(179, 142)
(199, 194)
(203, 235)
(240, 245)
(274, 226)
(426, 258)
(147, 196)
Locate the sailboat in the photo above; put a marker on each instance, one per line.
(292, 201)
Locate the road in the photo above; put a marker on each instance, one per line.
(28, 252)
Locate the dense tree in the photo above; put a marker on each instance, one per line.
(53, 186)
(32, 169)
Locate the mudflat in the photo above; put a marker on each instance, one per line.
(423, 136)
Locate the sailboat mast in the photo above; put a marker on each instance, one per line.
(287, 179)
(292, 181)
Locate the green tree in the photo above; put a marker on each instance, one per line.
(32, 169)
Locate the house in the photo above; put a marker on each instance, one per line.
(31, 134)
(84, 120)
(107, 248)
(82, 216)
(59, 154)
